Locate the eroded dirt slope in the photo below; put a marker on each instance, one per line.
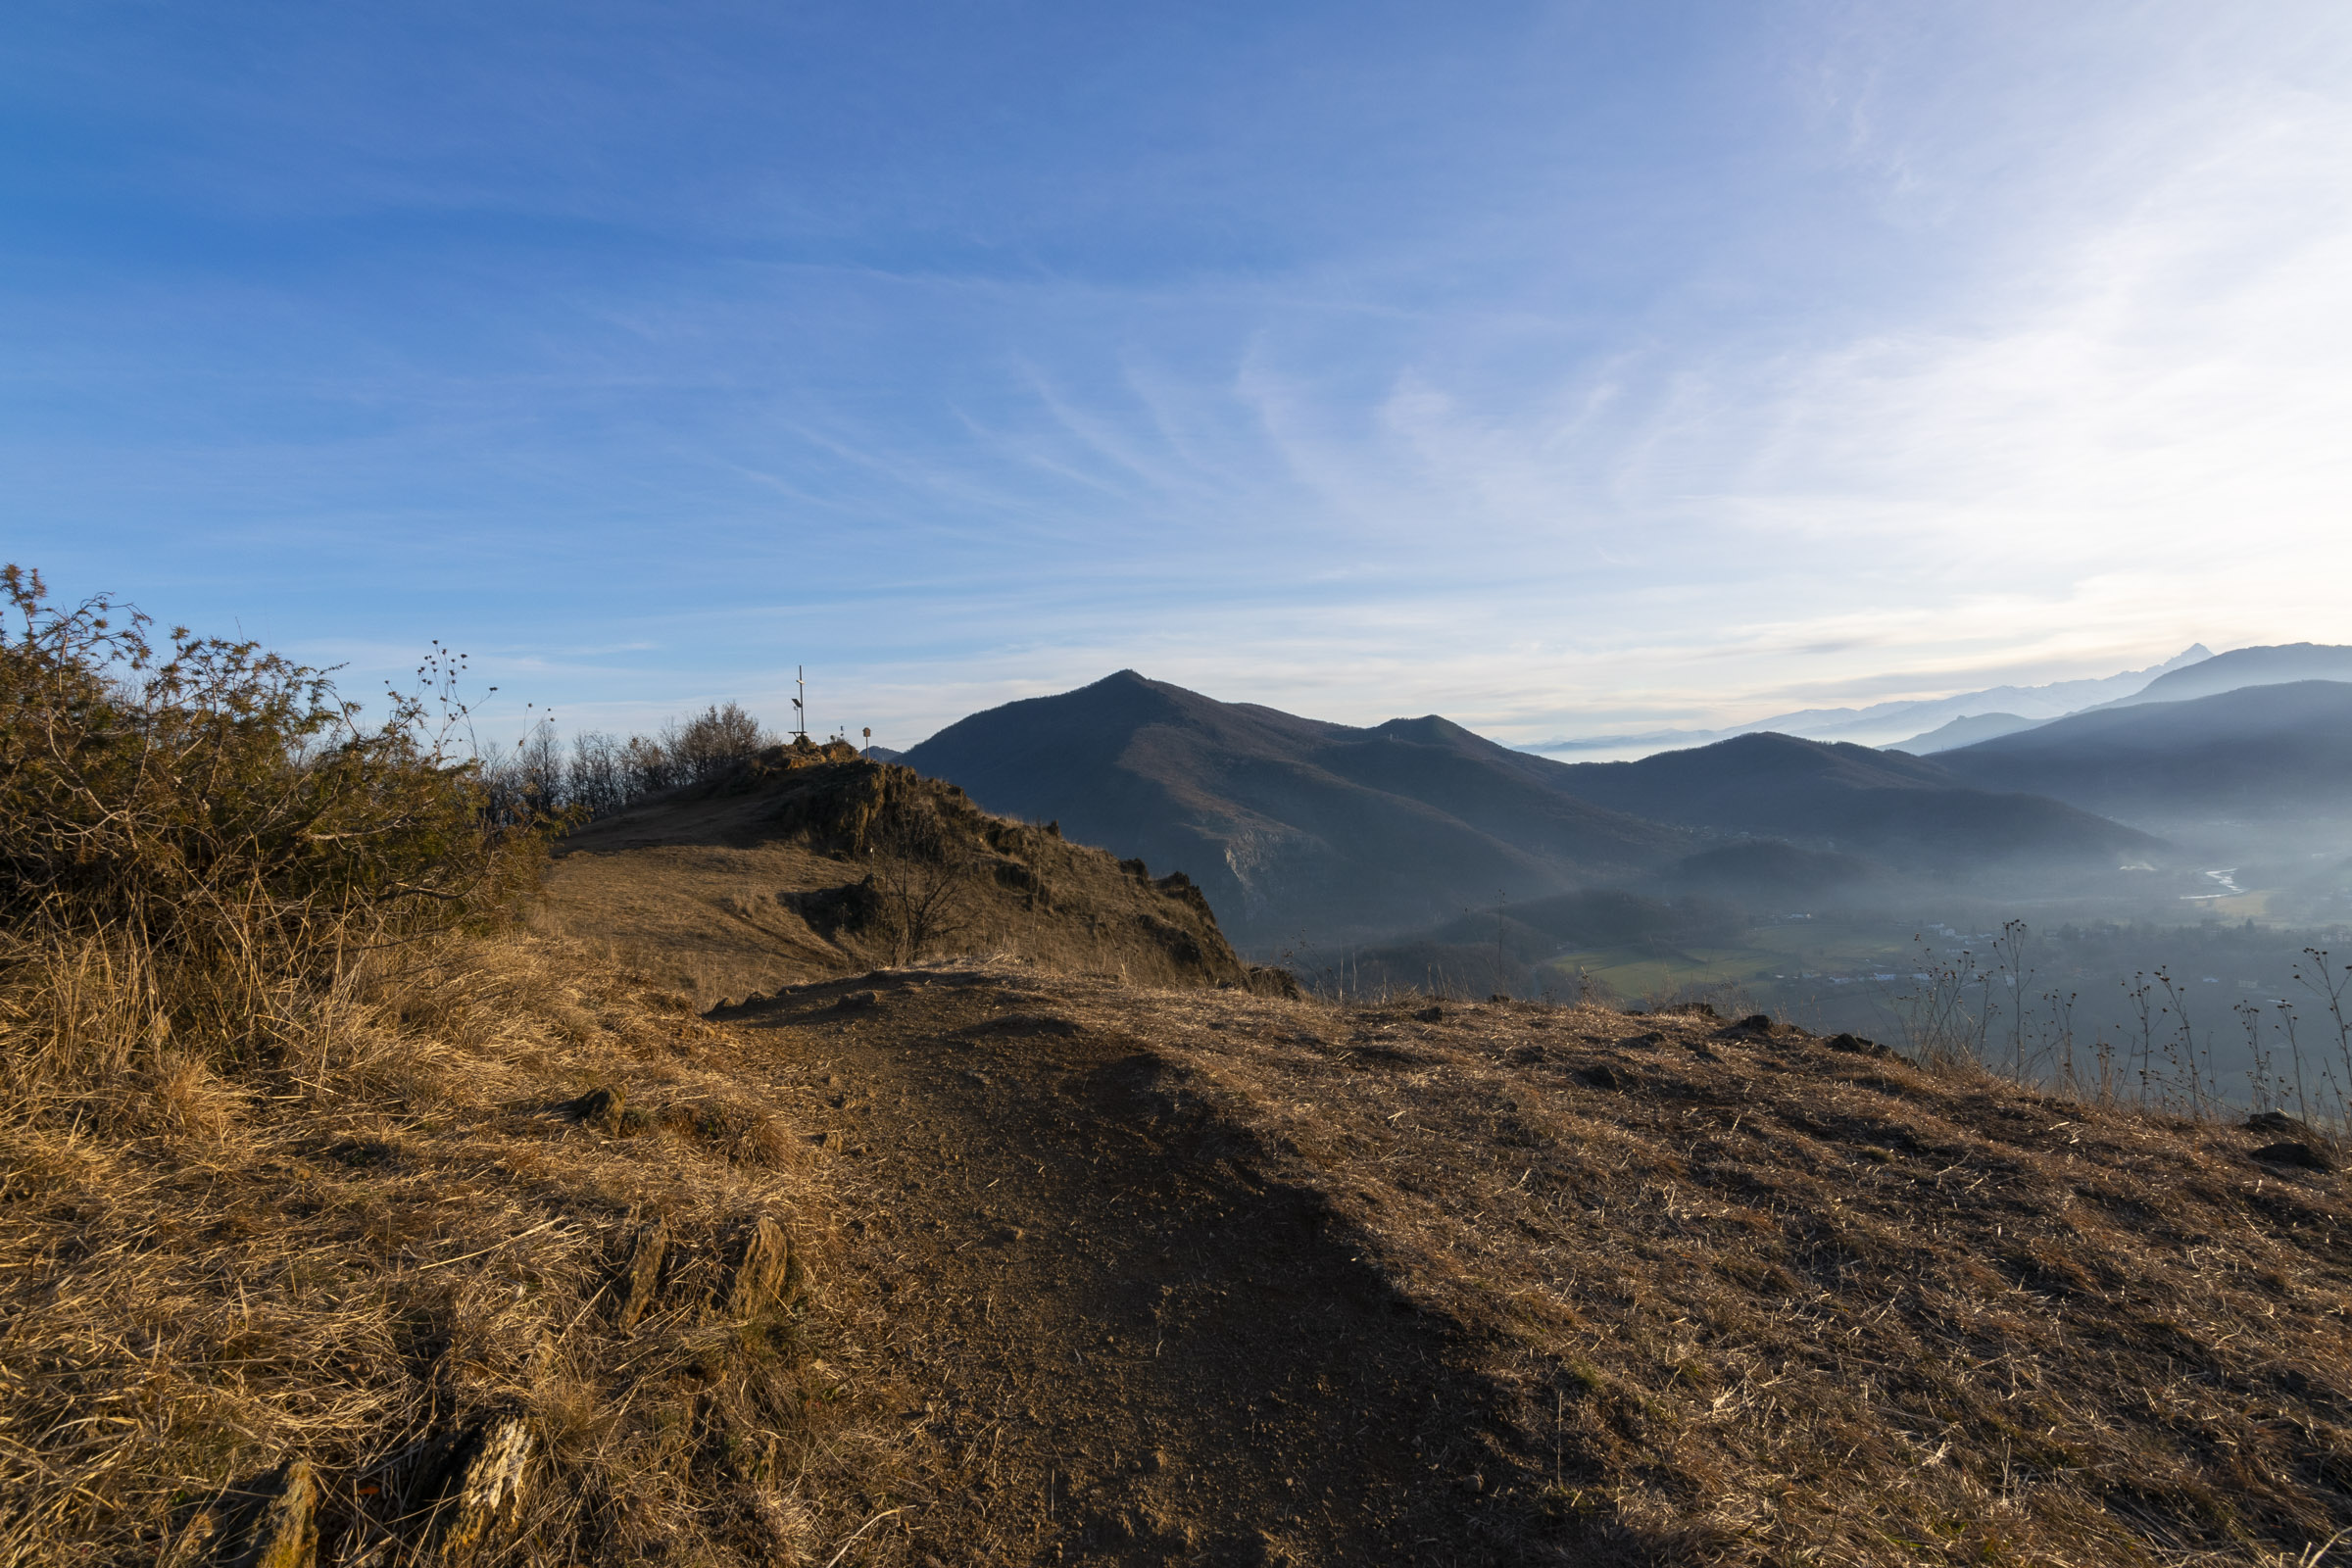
(1118, 1336)
(1157, 1276)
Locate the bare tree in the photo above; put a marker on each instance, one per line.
(924, 878)
(711, 741)
(648, 768)
(538, 767)
(597, 778)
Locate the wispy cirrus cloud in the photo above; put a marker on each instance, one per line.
(1558, 369)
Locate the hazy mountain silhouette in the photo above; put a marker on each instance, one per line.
(1292, 825)
(1902, 810)
(2241, 667)
(1966, 731)
(2280, 752)
(1879, 723)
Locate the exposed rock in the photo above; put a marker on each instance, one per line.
(764, 1275)
(886, 847)
(1854, 1045)
(492, 1490)
(287, 1534)
(644, 1278)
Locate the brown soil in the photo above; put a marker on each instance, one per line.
(1117, 1336)
(1183, 1277)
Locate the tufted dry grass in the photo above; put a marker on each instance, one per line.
(396, 1232)
(1750, 1299)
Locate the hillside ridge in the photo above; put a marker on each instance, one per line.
(815, 859)
(1284, 820)
(2281, 751)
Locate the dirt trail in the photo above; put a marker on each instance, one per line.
(1117, 1341)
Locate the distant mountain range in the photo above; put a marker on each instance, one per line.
(1293, 826)
(2243, 668)
(1903, 810)
(1964, 732)
(1289, 824)
(1883, 722)
(2281, 752)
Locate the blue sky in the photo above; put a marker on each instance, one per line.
(1559, 368)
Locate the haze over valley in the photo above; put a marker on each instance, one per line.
(2186, 818)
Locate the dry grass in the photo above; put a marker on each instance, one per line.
(1746, 1299)
(391, 1237)
(1702, 1294)
(314, 1194)
(767, 877)
(333, 1213)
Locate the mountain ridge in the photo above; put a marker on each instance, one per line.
(1279, 817)
(2265, 665)
(1297, 827)
(1903, 809)
(2283, 748)
(1966, 731)
(1888, 721)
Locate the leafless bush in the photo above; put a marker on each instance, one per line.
(597, 778)
(712, 742)
(216, 821)
(924, 876)
(1964, 1014)
(606, 773)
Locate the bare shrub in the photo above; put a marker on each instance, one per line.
(712, 742)
(204, 793)
(198, 838)
(596, 779)
(924, 876)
